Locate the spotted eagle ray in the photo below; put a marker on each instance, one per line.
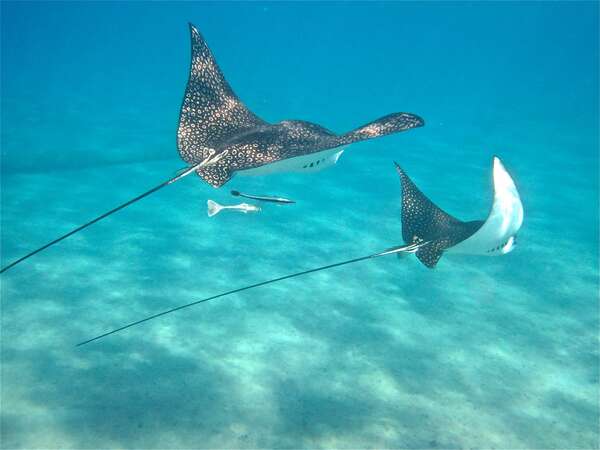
(423, 221)
(218, 136)
(428, 232)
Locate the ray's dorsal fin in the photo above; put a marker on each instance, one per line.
(423, 221)
(211, 112)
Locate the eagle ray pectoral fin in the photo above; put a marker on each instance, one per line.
(392, 123)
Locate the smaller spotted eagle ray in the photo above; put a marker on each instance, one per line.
(423, 221)
(428, 231)
(218, 136)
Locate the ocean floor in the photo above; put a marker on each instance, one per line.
(478, 353)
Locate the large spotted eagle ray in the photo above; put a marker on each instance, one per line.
(428, 232)
(218, 136)
(216, 126)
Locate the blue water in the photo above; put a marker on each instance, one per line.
(478, 353)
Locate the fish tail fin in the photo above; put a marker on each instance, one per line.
(213, 208)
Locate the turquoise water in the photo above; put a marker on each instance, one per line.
(478, 353)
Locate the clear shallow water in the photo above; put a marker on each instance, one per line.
(479, 353)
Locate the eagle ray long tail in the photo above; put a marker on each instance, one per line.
(406, 249)
(186, 172)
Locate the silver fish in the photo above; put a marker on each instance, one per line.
(215, 208)
(263, 198)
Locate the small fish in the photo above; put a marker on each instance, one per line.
(215, 208)
(262, 198)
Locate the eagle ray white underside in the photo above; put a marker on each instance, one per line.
(312, 162)
(497, 235)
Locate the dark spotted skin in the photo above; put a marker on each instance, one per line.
(423, 221)
(214, 121)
